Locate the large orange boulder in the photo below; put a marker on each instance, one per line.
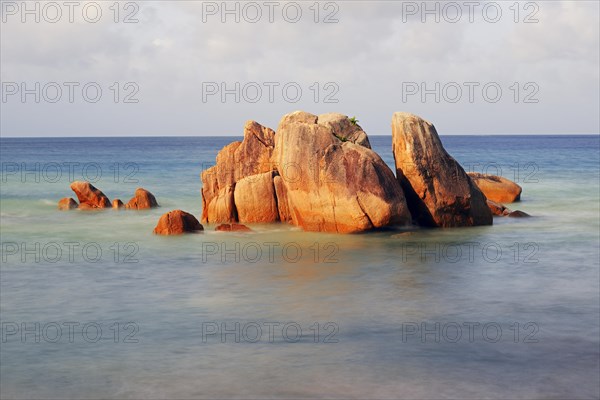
(234, 162)
(142, 200)
(438, 190)
(331, 183)
(89, 197)
(497, 188)
(255, 199)
(177, 222)
(67, 204)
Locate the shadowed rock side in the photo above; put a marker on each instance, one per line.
(177, 222)
(334, 185)
(234, 162)
(497, 188)
(438, 190)
(89, 196)
(117, 204)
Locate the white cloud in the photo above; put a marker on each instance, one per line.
(368, 54)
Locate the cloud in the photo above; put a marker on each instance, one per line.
(368, 54)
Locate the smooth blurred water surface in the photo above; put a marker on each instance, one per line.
(373, 287)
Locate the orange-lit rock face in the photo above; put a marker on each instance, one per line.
(331, 183)
(142, 200)
(497, 188)
(177, 222)
(317, 172)
(89, 196)
(234, 162)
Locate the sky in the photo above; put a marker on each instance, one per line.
(193, 68)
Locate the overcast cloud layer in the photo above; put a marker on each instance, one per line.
(369, 61)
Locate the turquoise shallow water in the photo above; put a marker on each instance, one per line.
(523, 294)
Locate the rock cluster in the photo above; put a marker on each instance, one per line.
(320, 173)
(91, 198)
(317, 172)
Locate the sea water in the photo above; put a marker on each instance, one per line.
(93, 305)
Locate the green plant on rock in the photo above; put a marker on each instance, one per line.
(343, 139)
(354, 120)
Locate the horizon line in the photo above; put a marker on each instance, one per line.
(237, 136)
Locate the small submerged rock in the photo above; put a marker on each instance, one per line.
(518, 214)
(177, 222)
(67, 204)
(233, 228)
(142, 200)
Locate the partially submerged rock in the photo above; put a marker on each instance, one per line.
(67, 204)
(497, 188)
(92, 198)
(503, 211)
(497, 208)
(177, 222)
(89, 197)
(438, 190)
(233, 228)
(518, 214)
(142, 200)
